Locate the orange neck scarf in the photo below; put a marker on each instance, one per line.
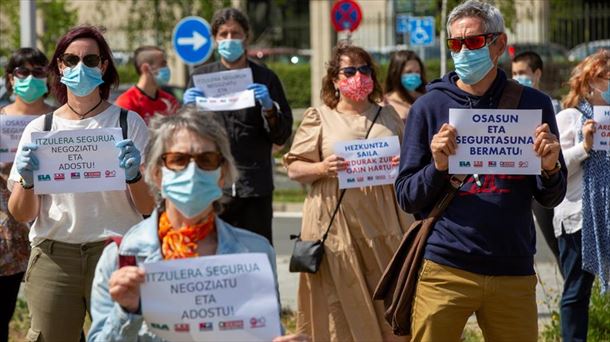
(182, 243)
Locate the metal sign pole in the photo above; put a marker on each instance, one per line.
(27, 18)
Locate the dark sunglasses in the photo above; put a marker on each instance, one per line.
(177, 161)
(351, 71)
(23, 72)
(472, 42)
(71, 60)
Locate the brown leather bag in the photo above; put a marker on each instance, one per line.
(397, 285)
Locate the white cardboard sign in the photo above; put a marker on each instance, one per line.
(225, 90)
(601, 137)
(11, 129)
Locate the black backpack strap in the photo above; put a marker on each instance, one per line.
(48, 122)
(123, 122)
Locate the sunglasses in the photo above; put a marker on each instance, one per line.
(177, 161)
(71, 60)
(351, 71)
(23, 72)
(472, 42)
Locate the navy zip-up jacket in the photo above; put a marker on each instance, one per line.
(486, 229)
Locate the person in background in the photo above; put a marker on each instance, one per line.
(189, 159)
(146, 97)
(335, 304)
(405, 82)
(252, 131)
(25, 76)
(70, 229)
(527, 70)
(582, 220)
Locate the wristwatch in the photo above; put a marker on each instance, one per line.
(548, 173)
(25, 185)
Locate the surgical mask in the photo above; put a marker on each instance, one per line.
(524, 80)
(472, 65)
(606, 94)
(410, 81)
(30, 88)
(357, 87)
(81, 79)
(163, 75)
(231, 49)
(191, 190)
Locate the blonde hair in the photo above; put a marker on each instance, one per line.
(594, 66)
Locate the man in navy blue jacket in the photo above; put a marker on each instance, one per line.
(480, 254)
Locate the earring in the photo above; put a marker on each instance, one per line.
(336, 93)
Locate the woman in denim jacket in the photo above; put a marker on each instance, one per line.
(188, 161)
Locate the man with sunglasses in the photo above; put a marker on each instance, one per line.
(146, 97)
(479, 256)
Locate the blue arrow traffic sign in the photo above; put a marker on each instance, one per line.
(421, 31)
(192, 40)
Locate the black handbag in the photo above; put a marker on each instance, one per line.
(307, 255)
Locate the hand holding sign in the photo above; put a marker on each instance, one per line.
(191, 95)
(333, 164)
(26, 162)
(124, 287)
(129, 158)
(443, 145)
(547, 147)
(261, 94)
(588, 129)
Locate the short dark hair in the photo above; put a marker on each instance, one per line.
(531, 58)
(398, 60)
(327, 94)
(20, 58)
(225, 14)
(138, 59)
(110, 77)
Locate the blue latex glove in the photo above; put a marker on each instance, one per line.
(26, 162)
(261, 94)
(129, 158)
(190, 95)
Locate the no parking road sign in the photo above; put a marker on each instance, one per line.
(346, 15)
(192, 40)
(421, 31)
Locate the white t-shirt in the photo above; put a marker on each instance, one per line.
(91, 216)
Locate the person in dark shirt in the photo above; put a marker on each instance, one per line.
(146, 97)
(252, 131)
(479, 257)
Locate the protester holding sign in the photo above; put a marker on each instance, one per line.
(70, 229)
(26, 77)
(335, 304)
(582, 220)
(252, 131)
(405, 82)
(189, 160)
(479, 257)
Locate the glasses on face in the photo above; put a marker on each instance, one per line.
(23, 72)
(71, 60)
(351, 71)
(472, 42)
(178, 161)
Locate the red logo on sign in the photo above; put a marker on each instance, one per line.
(182, 327)
(59, 176)
(507, 164)
(257, 322)
(477, 163)
(231, 325)
(94, 174)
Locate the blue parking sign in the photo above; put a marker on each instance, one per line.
(421, 31)
(192, 40)
(402, 23)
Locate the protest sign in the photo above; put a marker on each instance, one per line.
(84, 160)
(225, 90)
(11, 128)
(601, 137)
(370, 161)
(235, 101)
(495, 141)
(229, 297)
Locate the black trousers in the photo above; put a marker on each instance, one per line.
(250, 213)
(9, 289)
(544, 216)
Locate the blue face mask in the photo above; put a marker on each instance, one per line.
(81, 79)
(231, 49)
(472, 65)
(524, 80)
(606, 94)
(163, 75)
(30, 88)
(410, 81)
(191, 190)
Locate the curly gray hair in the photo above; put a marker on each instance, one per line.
(492, 18)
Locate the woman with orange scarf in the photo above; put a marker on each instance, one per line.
(188, 160)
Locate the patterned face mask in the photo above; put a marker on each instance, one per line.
(357, 87)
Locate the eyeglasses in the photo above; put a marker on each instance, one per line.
(71, 60)
(178, 161)
(23, 72)
(472, 42)
(351, 71)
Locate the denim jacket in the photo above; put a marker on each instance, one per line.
(110, 321)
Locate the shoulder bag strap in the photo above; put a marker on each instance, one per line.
(48, 122)
(332, 218)
(123, 122)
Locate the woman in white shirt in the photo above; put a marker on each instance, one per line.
(582, 220)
